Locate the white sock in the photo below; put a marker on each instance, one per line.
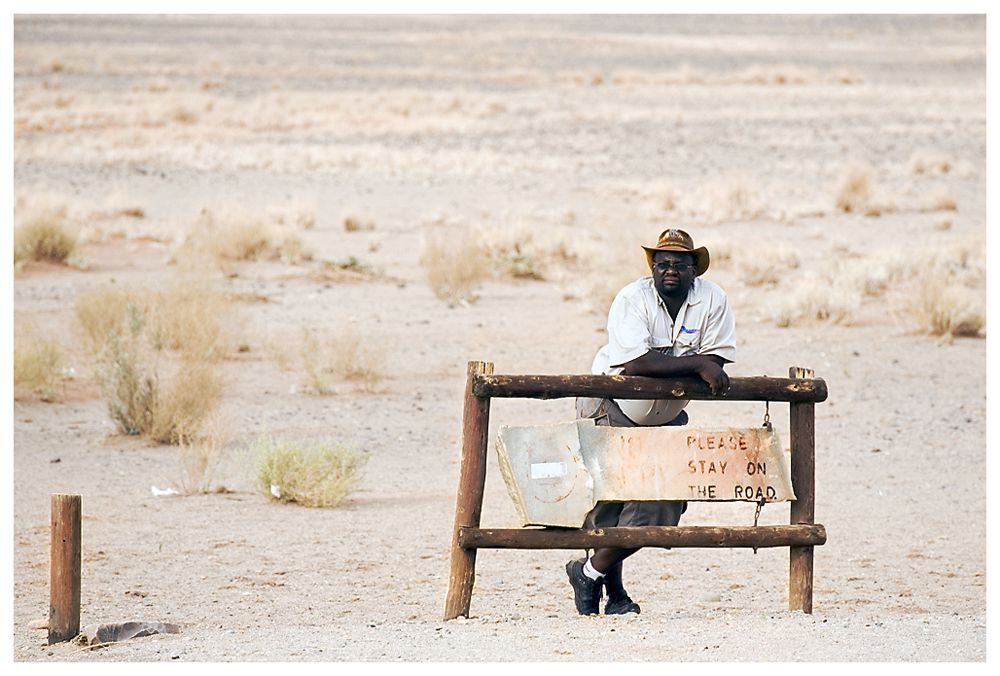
(591, 572)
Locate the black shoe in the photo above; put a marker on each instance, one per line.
(587, 591)
(619, 605)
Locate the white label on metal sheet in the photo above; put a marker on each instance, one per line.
(548, 470)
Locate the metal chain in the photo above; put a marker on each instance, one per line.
(756, 516)
(767, 416)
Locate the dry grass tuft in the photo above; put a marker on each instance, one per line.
(758, 265)
(945, 309)
(733, 197)
(351, 354)
(523, 252)
(940, 199)
(199, 461)
(314, 362)
(816, 300)
(45, 238)
(157, 356)
(358, 356)
(845, 75)
(183, 116)
(721, 250)
(854, 189)
(233, 236)
(513, 251)
(925, 162)
(455, 266)
(777, 74)
(293, 252)
(348, 269)
(320, 474)
(354, 223)
(666, 196)
(37, 362)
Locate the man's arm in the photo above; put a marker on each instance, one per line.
(655, 364)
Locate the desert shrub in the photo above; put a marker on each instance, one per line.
(349, 269)
(925, 162)
(940, 199)
(234, 236)
(758, 265)
(314, 362)
(359, 356)
(778, 74)
(731, 197)
(278, 353)
(199, 461)
(721, 249)
(192, 394)
(103, 314)
(665, 195)
(353, 223)
(871, 277)
(349, 353)
(944, 308)
(455, 266)
(815, 300)
(524, 252)
(758, 270)
(37, 366)
(319, 474)
(304, 215)
(44, 238)
(157, 355)
(188, 318)
(293, 251)
(854, 192)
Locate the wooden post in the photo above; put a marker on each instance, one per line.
(64, 580)
(802, 433)
(471, 485)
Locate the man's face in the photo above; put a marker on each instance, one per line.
(673, 273)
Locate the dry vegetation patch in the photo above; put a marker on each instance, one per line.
(945, 310)
(157, 356)
(313, 474)
(37, 361)
(455, 266)
(814, 299)
(232, 236)
(45, 238)
(939, 290)
(199, 461)
(349, 353)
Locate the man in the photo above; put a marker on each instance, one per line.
(673, 323)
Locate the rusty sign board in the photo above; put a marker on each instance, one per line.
(555, 474)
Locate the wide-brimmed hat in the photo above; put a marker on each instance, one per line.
(678, 240)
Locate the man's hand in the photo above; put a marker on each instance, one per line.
(713, 374)
(708, 367)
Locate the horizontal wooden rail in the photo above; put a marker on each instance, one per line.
(757, 388)
(801, 535)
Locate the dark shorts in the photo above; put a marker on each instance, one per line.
(605, 412)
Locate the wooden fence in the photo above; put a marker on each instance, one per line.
(800, 390)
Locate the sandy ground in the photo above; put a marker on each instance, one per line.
(585, 129)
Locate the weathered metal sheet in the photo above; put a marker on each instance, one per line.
(545, 473)
(556, 473)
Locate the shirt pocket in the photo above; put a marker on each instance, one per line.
(687, 343)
